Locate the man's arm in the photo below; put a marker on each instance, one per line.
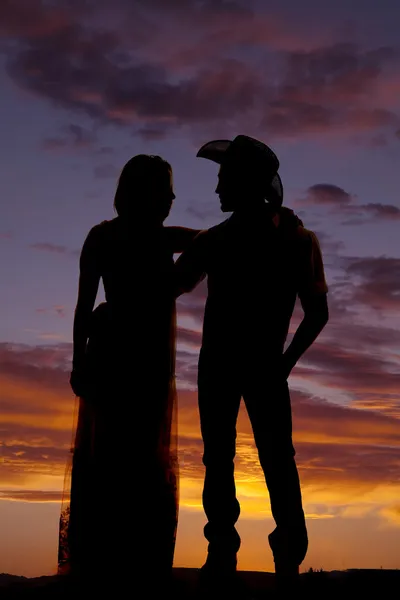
(313, 297)
(180, 237)
(191, 266)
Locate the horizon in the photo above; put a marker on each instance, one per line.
(83, 90)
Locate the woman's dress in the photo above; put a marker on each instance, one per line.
(120, 505)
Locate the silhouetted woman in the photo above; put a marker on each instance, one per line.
(121, 512)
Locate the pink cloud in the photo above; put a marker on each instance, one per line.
(106, 171)
(30, 20)
(326, 193)
(48, 247)
(53, 248)
(60, 311)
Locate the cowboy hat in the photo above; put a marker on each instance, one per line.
(246, 150)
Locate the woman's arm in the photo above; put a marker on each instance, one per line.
(191, 266)
(89, 278)
(180, 237)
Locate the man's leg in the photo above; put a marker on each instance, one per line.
(219, 401)
(268, 406)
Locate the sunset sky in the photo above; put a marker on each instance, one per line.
(86, 84)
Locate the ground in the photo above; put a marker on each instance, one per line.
(353, 583)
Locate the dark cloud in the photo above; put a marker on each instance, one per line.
(382, 211)
(325, 88)
(42, 437)
(105, 150)
(36, 455)
(189, 337)
(341, 202)
(42, 365)
(36, 412)
(186, 369)
(379, 141)
(355, 356)
(32, 19)
(192, 305)
(380, 282)
(341, 66)
(327, 193)
(352, 369)
(106, 171)
(124, 68)
(152, 134)
(72, 136)
(351, 358)
(364, 464)
(330, 245)
(349, 424)
(334, 444)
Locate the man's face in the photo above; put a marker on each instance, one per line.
(230, 188)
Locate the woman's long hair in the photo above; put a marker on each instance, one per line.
(145, 188)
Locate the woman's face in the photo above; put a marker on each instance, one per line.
(162, 195)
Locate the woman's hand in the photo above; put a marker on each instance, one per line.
(78, 381)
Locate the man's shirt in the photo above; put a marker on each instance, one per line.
(256, 267)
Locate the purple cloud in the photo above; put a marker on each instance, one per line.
(160, 84)
(60, 311)
(382, 211)
(328, 194)
(73, 136)
(48, 247)
(339, 201)
(380, 281)
(54, 248)
(106, 171)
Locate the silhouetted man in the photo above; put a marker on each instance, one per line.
(257, 262)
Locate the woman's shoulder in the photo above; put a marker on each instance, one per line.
(106, 224)
(102, 228)
(98, 234)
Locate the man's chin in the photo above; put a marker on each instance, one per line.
(226, 206)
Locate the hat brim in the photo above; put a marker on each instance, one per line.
(214, 150)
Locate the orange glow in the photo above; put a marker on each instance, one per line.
(35, 450)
